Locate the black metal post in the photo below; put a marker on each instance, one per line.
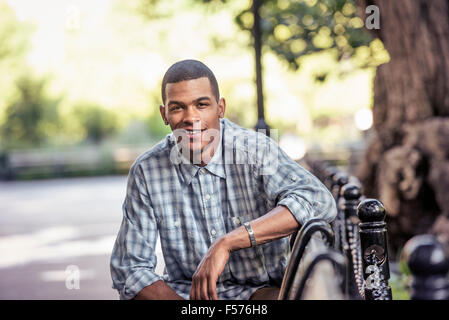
(329, 173)
(339, 180)
(319, 168)
(6, 172)
(351, 195)
(373, 240)
(257, 35)
(429, 264)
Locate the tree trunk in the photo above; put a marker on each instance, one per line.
(406, 165)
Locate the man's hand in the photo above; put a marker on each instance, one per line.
(204, 280)
(277, 223)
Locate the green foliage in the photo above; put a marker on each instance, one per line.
(13, 35)
(400, 287)
(293, 29)
(156, 126)
(296, 28)
(14, 43)
(31, 118)
(400, 281)
(157, 9)
(97, 122)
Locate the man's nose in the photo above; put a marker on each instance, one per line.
(191, 115)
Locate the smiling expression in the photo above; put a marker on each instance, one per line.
(193, 113)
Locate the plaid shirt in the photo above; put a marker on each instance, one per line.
(190, 207)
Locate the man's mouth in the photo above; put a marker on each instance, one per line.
(194, 134)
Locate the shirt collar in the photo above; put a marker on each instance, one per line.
(215, 165)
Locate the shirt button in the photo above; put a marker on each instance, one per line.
(237, 221)
(202, 171)
(213, 232)
(207, 197)
(293, 178)
(176, 224)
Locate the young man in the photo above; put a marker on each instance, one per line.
(222, 198)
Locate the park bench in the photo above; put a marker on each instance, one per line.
(73, 161)
(348, 259)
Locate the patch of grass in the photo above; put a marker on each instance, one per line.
(399, 287)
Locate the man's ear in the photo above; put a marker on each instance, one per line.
(221, 107)
(162, 111)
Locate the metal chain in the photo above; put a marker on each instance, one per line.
(355, 252)
(339, 230)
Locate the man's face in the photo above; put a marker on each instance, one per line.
(193, 113)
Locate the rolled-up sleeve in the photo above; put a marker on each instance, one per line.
(288, 184)
(133, 259)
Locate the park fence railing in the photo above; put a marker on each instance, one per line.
(306, 276)
(348, 258)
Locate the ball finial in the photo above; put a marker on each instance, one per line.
(340, 178)
(350, 191)
(425, 256)
(330, 172)
(371, 210)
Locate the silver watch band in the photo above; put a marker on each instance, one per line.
(252, 237)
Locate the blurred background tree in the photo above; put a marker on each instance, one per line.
(293, 29)
(14, 44)
(31, 118)
(406, 165)
(96, 122)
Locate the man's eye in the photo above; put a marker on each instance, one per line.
(175, 108)
(203, 104)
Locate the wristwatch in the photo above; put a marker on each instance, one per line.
(252, 237)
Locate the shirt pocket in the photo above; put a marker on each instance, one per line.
(171, 232)
(181, 240)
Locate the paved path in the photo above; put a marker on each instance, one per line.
(52, 230)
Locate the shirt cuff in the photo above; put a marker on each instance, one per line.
(300, 210)
(136, 282)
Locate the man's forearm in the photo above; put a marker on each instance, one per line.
(158, 290)
(273, 225)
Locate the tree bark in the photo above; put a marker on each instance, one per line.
(406, 165)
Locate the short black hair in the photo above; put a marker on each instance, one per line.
(189, 70)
